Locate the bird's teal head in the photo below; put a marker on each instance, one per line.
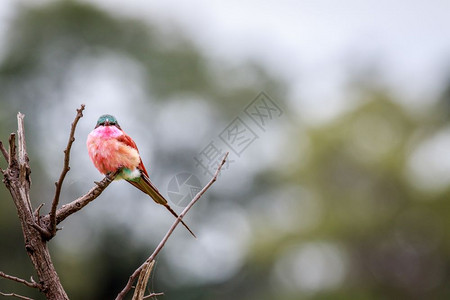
(107, 120)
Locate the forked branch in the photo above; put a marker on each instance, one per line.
(152, 257)
(66, 210)
(17, 180)
(37, 230)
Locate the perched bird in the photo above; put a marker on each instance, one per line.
(113, 151)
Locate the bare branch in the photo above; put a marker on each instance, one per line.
(12, 149)
(43, 231)
(66, 168)
(20, 280)
(22, 158)
(136, 273)
(4, 152)
(36, 214)
(17, 180)
(15, 295)
(141, 285)
(153, 295)
(76, 205)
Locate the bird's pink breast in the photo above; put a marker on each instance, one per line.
(107, 153)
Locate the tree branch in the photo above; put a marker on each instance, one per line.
(22, 157)
(76, 205)
(17, 180)
(153, 295)
(36, 214)
(141, 285)
(136, 273)
(66, 168)
(15, 295)
(12, 150)
(4, 152)
(20, 280)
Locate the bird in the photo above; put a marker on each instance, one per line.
(113, 151)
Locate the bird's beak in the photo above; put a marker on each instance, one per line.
(107, 122)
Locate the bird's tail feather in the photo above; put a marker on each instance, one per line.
(145, 185)
(176, 216)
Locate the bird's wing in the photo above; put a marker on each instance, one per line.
(127, 140)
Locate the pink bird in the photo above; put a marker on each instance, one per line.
(112, 150)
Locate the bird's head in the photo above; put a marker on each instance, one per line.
(107, 120)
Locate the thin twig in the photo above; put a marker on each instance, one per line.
(15, 295)
(20, 280)
(4, 152)
(36, 214)
(153, 295)
(66, 168)
(136, 273)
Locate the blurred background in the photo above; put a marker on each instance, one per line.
(336, 116)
